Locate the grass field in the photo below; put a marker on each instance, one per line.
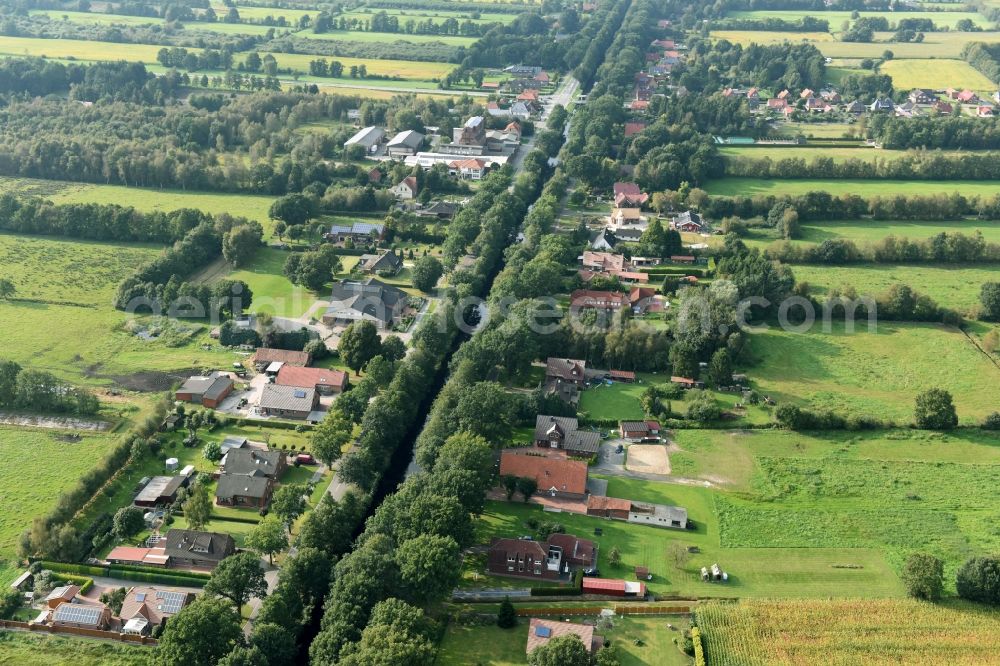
(406, 69)
(637, 640)
(387, 37)
(261, 13)
(864, 188)
(864, 231)
(836, 153)
(35, 467)
(951, 286)
(273, 292)
(752, 633)
(936, 74)
(78, 49)
(438, 15)
(837, 18)
(877, 374)
(94, 18)
(935, 44)
(24, 649)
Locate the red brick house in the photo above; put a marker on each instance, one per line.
(548, 559)
(556, 475)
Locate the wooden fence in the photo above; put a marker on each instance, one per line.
(90, 633)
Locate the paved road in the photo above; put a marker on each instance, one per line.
(565, 94)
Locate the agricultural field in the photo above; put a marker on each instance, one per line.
(873, 373)
(637, 640)
(863, 188)
(935, 44)
(406, 69)
(837, 18)
(36, 466)
(102, 19)
(952, 286)
(78, 49)
(936, 74)
(387, 37)
(751, 633)
(838, 154)
(261, 13)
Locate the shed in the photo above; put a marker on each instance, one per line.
(172, 464)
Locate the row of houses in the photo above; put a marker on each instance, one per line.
(143, 609)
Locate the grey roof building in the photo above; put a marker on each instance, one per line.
(405, 143)
(253, 490)
(368, 137)
(560, 432)
(370, 300)
(287, 401)
(253, 462)
(193, 548)
(385, 262)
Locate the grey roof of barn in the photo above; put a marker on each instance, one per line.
(371, 297)
(387, 260)
(439, 208)
(294, 398)
(205, 545)
(409, 139)
(253, 461)
(573, 439)
(357, 228)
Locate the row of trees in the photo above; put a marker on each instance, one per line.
(38, 391)
(914, 166)
(951, 132)
(941, 248)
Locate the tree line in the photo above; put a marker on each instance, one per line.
(952, 248)
(924, 165)
(713, 65)
(774, 24)
(388, 49)
(43, 392)
(118, 81)
(951, 132)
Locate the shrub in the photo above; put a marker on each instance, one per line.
(923, 576)
(979, 580)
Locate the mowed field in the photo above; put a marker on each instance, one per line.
(438, 15)
(936, 74)
(935, 44)
(865, 188)
(837, 18)
(952, 286)
(884, 631)
(35, 467)
(874, 373)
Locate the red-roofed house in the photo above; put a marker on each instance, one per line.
(326, 382)
(528, 96)
(557, 476)
(541, 632)
(629, 195)
(599, 300)
(406, 189)
(633, 128)
(469, 169)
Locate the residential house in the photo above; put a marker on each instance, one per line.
(469, 169)
(370, 300)
(806, 93)
(405, 143)
(494, 110)
(522, 109)
(608, 507)
(603, 261)
(967, 97)
(777, 103)
(265, 356)
(326, 382)
(604, 240)
(640, 431)
(405, 189)
(576, 553)
(562, 433)
(191, 549)
(541, 632)
(566, 371)
(207, 391)
(984, 111)
(943, 107)
(639, 105)
(441, 210)
(922, 96)
(257, 462)
(82, 616)
(370, 138)
(148, 607)
(831, 96)
(907, 109)
(557, 476)
(598, 300)
(688, 221)
(289, 402)
(359, 233)
(641, 298)
(523, 70)
(784, 94)
(633, 128)
(622, 217)
(629, 195)
(386, 262)
(374, 176)
(523, 558)
(244, 491)
(817, 104)
(855, 108)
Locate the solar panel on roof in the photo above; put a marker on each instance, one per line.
(543, 632)
(78, 613)
(140, 596)
(171, 602)
(300, 394)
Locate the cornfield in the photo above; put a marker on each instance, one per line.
(849, 632)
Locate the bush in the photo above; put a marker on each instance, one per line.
(979, 580)
(923, 576)
(992, 422)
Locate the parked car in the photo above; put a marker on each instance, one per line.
(305, 459)
(592, 572)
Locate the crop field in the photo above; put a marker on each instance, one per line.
(877, 374)
(78, 49)
(406, 69)
(770, 37)
(387, 37)
(35, 467)
(94, 18)
(864, 188)
(936, 74)
(752, 633)
(261, 13)
(837, 18)
(953, 286)
(935, 44)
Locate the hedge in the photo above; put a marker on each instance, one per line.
(235, 519)
(664, 271)
(552, 591)
(278, 425)
(84, 582)
(144, 574)
(699, 651)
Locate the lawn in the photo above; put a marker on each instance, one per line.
(936, 74)
(902, 631)
(876, 374)
(953, 286)
(637, 640)
(864, 188)
(25, 649)
(35, 467)
(272, 291)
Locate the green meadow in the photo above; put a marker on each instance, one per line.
(26, 649)
(387, 37)
(936, 74)
(273, 292)
(813, 151)
(935, 44)
(438, 15)
(865, 188)
(837, 18)
(953, 286)
(875, 373)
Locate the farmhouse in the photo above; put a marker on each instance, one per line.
(369, 138)
(371, 300)
(405, 189)
(541, 632)
(387, 262)
(640, 431)
(326, 382)
(405, 143)
(688, 221)
(598, 300)
(207, 391)
(190, 549)
(556, 475)
(560, 432)
(359, 233)
(290, 402)
(265, 356)
(628, 195)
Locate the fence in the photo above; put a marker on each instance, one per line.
(89, 633)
